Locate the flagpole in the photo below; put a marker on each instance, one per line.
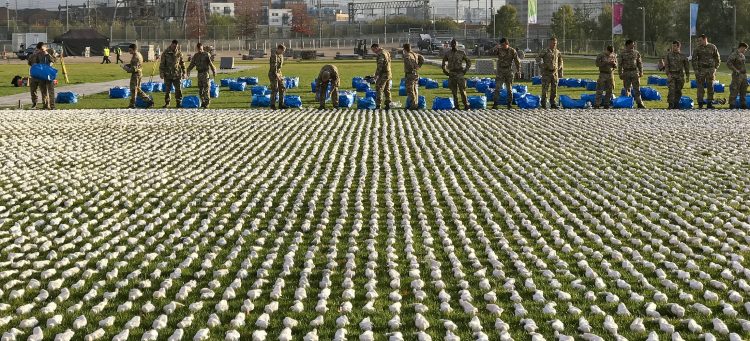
(612, 17)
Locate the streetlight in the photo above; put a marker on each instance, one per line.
(643, 40)
(734, 23)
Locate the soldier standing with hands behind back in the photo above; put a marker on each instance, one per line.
(201, 60)
(706, 60)
(453, 67)
(172, 71)
(678, 72)
(506, 57)
(607, 64)
(551, 63)
(630, 69)
(383, 77)
(736, 64)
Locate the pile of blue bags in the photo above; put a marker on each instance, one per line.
(147, 87)
(66, 98)
(346, 99)
(246, 80)
(421, 103)
(119, 92)
(191, 102)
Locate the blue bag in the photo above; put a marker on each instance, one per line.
(662, 82)
(66, 98)
(291, 82)
(260, 101)
(158, 87)
(402, 91)
(403, 81)
(536, 80)
(186, 83)
(623, 102)
(562, 82)
(147, 87)
(520, 88)
(362, 87)
(693, 84)
(191, 102)
(686, 102)
(140, 103)
(293, 101)
(590, 98)
(472, 82)
(370, 93)
(573, 83)
(421, 103)
(43, 72)
(259, 90)
(422, 81)
(367, 103)
(650, 94)
(569, 103)
(718, 87)
(346, 99)
(737, 101)
(528, 101)
(119, 92)
(483, 86)
(653, 80)
(446, 84)
(591, 86)
(227, 81)
(214, 91)
(477, 102)
(431, 84)
(441, 103)
(237, 86)
(356, 81)
(624, 92)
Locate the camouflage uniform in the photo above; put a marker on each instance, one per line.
(706, 60)
(383, 78)
(277, 79)
(630, 69)
(736, 64)
(607, 63)
(334, 80)
(453, 67)
(412, 62)
(551, 63)
(201, 61)
(47, 88)
(504, 73)
(172, 67)
(136, 64)
(677, 68)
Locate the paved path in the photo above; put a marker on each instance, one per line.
(93, 88)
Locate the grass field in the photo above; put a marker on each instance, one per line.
(373, 225)
(576, 67)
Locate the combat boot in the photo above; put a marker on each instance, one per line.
(710, 104)
(281, 101)
(150, 104)
(178, 104)
(700, 104)
(544, 105)
(495, 106)
(509, 106)
(641, 106)
(553, 105)
(387, 106)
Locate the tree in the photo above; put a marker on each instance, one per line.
(505, 22)
(445, 24)
(660, 21)
(301, 21)
(604, 24)
(564, 22)
(219, 26)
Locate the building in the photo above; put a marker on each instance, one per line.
(221, 8)
(545, 9)
(280, 17)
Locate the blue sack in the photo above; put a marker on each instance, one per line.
(346, 99)
(402, 91)
(260, 101)
(590, 98)
(662, 82)
(186, 83)
(422, 81)
(370, 93)
(477, 102)
(293, 101)
(367, 103)
(158, 87)
(591, 86)
(441, 103)
(719, 88)
(650, 94)
(483, 86)
(528, 101)
(119, 92)
(624, 92)
(421, 103)
(536, 80)
(653, 80)
(147, 87)
(686, 102)
(291, 82)
(623, 102)
(570, 103)
(227, 81)
(66, 98)
(356, 81)
(446, 84)
(520, 88)
(562, 82)
(403, 82)
(573, 83)
(362, 87)
(431, 84)
(214, 91)
(259, 90)
(251, 80)
(43, 72)
(191, 102)
(737, 101)
(472, 82)
(693, 84)
(237, 86)
(140, 103)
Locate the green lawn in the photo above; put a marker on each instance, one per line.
(576, 67)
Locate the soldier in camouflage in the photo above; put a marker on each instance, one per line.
(278, 88)
(383, 77)
(201, 61)
(630, 70)
(736, 64)
(329, 75)
(551, 63)
(678, 72)
(172, 71)
(136, 72)
(706, 60)
(453, 67)
(507, 57)
(47, 88)
(412, 62)
(607, 64)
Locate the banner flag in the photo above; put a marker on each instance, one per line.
(693, 18)
(617, 18)
(532, 12)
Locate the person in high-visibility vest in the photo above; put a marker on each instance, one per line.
(106, 56)
(118, 52)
